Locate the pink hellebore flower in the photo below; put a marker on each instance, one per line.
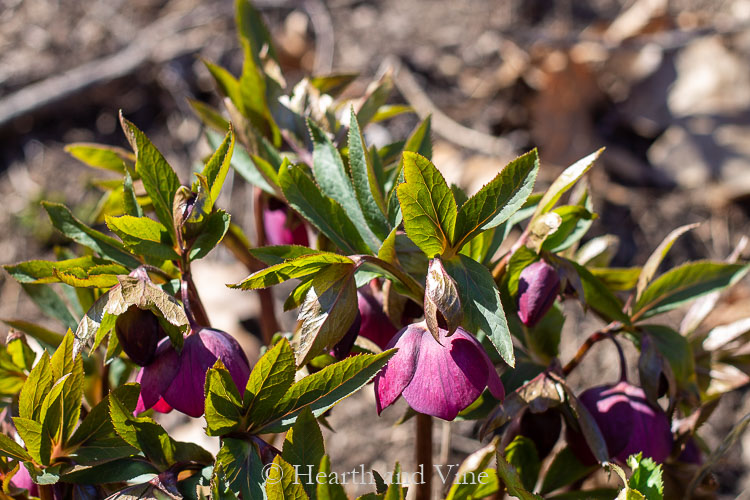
(375, 324)
(176, 380)
(282, 226)
(438, 379)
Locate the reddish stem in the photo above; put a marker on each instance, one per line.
(423, 449)
(593, 339)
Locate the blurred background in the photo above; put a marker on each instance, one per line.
(664, 85)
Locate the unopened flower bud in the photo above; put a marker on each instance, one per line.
(543, 429)
(139, 332)
(538, 286)
(282, 226)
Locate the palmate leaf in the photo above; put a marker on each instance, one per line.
(498, 200)
(427, 204)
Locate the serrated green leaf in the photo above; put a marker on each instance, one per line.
(497, 200)
(303, 448)
(101, 156)
(271, 378)
(294, 268)
(143, 236)
(38, 384)
(676, 350)
(685, 283)
(215, 227)
(335, 183)
(323, 389)
(282, 482)
(521, 453)
(327, 312)
(43, 271)
(209, 115)
(11, 449)
(159, 180)
(469, 477)
(427, 205)
(244, 471)
(509, 475)
(250, 27)
(255, 170)
(365, 182)
(77, 231)
(217, 166)
(95, 438)
(37, 441)
(323, 213)
(142, 433)
(114, 471)
(483, 310)
(223, 401)
(575, 222)
(50, 303)
(276, 254)
(377, 95)
(598, 297)
(104, 277)
(655, 259)
(646, 477)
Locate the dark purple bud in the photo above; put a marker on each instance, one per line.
(438, 378)
(344, 346)
(538, 286)
(199, 353)
(282, 226)
(543, 429)
(629, 424)
(22, 480)
(139, 332)
(375, 324)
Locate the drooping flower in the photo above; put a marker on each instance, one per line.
(177, 380)
(22, 480)
(139, 332)
(629, 424)
(436, 378)
(282, 226)
(538, 286)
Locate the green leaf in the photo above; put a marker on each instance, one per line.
(159, 180)
(241, 463)
(114, 471)
(323, 389)
(684, 284)
(130, 203)
(252, 29)
(617, 278)
(40, 333)
(255, 170)
(593, 494)
(143, 236)
(133, 291)
(11, 449)
(497, 200)
(252, 90)
(326, 314)
(676, 350)
(50, 303)
(271, 378)
(220, 489)
(366, 184)
(420, 141)
(387, 111)
(483, 310)
(213, 231)
(71, 399)
(377, 95)
(575, 222)
(282, 482)
(654, 260)
(38, 384)
(646, 477)
(323, 213)
(223, 401)
(334, 182)
(509, 475)
(294, 268)
(276, 254)
(427, 205)
(37, 441)
(43, 271)
(77, 231)
(328, 490)
(217, 167)
(79, 279)
(142, 433)
(521, 453)
(303, 448)
(209, 115)
(598, 297)
(565, 181)
(101, 156)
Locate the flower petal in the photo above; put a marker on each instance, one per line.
(494, 383)
(156, 377)
(396, 375)
(448, 378)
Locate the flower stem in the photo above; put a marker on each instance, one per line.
(595, 337)
(423, 449)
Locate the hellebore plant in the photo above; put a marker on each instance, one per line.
(391, 244)
(438, 377)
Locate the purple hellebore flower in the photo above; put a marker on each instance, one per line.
(139, 332)
(538, 286)
(22, 480)
(629, 424)
(438, 379)
(178, 379)
(282, 226)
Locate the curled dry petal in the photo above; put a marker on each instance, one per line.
(442, 306)
(436, 378)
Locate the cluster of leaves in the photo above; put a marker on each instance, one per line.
(379, 213)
